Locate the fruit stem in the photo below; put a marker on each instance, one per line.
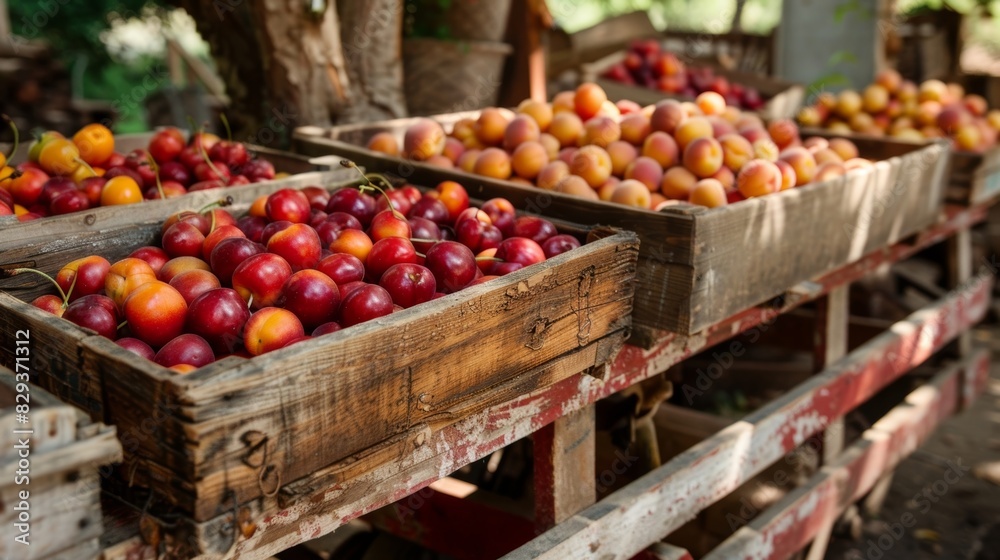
(87, 165)
(204, 156)
(225, 123)
(122, 324)
(419, 254)
(221, 203)
(72, 285)
(17, 136)
(7, 273)
(370, 185)
(13, 175)
(250, 301)
(156, 171)
(494, 259)
(422, 240)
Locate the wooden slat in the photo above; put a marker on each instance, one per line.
(564, 468)
(790, 524)
(669, 496)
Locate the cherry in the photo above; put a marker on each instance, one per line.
(453, 265)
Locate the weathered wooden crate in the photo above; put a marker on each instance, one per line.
(50, 466)
(972, 178)
(699, 266)
(784, 98)
(240, 429)
(300, 170)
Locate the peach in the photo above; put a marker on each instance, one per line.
(908, 134)
(848, 103)
(783, 132)
(667, 116)
(844, 148)
(815, 143)
(875, 98)
(423, 139)
(975, 104)
(889, 79)
(754, 133)
(736, 151)
(708, 192)
(551, 145)
(968, 138)
(907, 91)
(758, 177)
(576, 186)
(932, 90)
(993, 118)
(467, 161)
(927, 113)
(788, 178)
(656, 199)
(473, 143)
(710, 103)
(827, 155)
(647, 171)
(725, 176)
(692, 129)
(440, 161)
(861, 122)
(385, 143)
(566, 154)
(955, 93)
(677, 183)
(592, 163)
(609, 109)
(563, 102)
(540, 111)
(528, 159)
(952, 118)
(631, 193)
(802, 162)
(453, 149)
(551, 174)
(493, 162)
(764, 148)
(605, 191)
(622, 154)
(732, 115)
(691, 110)
(463, 129)
(720, 126)
(491, 126)
(809, 116)
(588, 100)
(521, 129)
(661, 147)
(627, 106)
(601, 131)
(828, 171)
(748, 120)
(703, 157)
(635, 128)
(567, 128)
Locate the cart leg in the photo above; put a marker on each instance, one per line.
(564, 468)
(833, 313)
(959, 272)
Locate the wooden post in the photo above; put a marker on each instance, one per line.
(564, 468)
(959, 272)
(833, 314)
(526, 72)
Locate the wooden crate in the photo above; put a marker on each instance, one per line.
(699, 266)
(972, 178)
(240, 429)
(784, 98)
(302, 172)
(63, 451)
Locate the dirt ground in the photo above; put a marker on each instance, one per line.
(951, 513)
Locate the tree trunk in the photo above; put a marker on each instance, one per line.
(285, 66)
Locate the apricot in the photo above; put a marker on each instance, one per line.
(758, 177)
(907, 91)
(647, 171)
(809, 116)
(828, 171)
(677, 183)
(528, 159)
(720, 126)
(467, 161)
(551, 174)
(601, 131)
(656, 199)
(802, 162)
(748, 120)
(815, 143)
(491, 126)
(661, 147)
(732, 115)
(703, 157)
(861, 122)
(932, 90)
(551, 145)
(453, 149)
(622, 154)
(667, 116)
(708, 192)
(493, 162)
(764, 148)
(540, 111)
(875, 98)
(588, 100)
(385, 143)
(592, 163)
(635, 128)
(844, 148)
(955, 93)
(519, 130)
(710, 103)
(576, 186)
(567, 128)
(975, 104)
(754, 133)
(605, 191)
(927, 113)
(993, 118)
(691, 110)
(736, 151)
(783, 132)
(889, 79)
(464, 129)
(787, 174)
(968, 137)
(827, 155)
(692, 129)
(848, 103)
(440, 161)
(952, 118)
(423, 139)
(908, 134)
(631, 193)
(566, 154)
(725, 176)
(857, 163)
(563, 102)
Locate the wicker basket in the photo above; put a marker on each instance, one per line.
(478, 20)
(451, 76)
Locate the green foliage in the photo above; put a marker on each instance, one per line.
(71, 27)
(713, 16)
(425, 18)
